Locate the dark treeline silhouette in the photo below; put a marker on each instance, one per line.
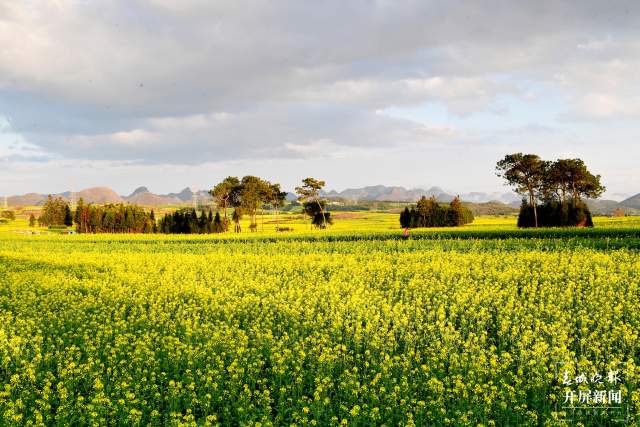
(552, 190)
(430, 213)
(555, 214)
(113, 218)
(187, 221)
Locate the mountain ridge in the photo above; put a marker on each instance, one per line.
(143, 196)
(402, 194)
(632, 202)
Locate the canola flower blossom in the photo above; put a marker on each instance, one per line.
(151, 330)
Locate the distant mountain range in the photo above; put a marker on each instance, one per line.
(383, 193)
(140, 196)
(143, 196)
(401, 194)
(632, 202)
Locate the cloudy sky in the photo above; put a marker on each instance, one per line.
(170, 94)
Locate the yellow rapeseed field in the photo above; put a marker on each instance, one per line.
(311, 329)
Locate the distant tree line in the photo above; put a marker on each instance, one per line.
(249, 196)
(430, 213)
(113, 218)
(553, 190)
(187, 221)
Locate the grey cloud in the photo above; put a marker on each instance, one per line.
(25, 158)
(96, 79)
(271, 132)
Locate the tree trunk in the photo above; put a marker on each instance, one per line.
(254, 220)
(224, 209)
(324, 220)
(532, 201)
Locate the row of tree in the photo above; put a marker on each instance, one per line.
(187, 221)
(430, 213)
(553, 190)
(113, 218)
(91, 218)
(243, 196)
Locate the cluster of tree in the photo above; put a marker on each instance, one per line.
(430, 213)
(187, 221)
(246, 196)
(251, 193)
(55, 212)
(8, 215)
(554, 214)
(552, 190)
(113, 218)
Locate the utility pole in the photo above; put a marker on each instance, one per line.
(72, 198)
(194, 196)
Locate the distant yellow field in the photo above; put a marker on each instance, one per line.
(353, 222)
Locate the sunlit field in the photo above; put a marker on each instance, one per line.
(352, 222)
(348, 326)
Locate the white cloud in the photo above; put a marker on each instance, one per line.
(197, 81)
(461, 95)
(604, 105)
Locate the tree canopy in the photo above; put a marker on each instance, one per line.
(187, 221)
(523, 172)
(226, 194)
(246, 196)
(113, 218)
(55, 212)
(429, 213)
(309, 194)
(558, 187)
